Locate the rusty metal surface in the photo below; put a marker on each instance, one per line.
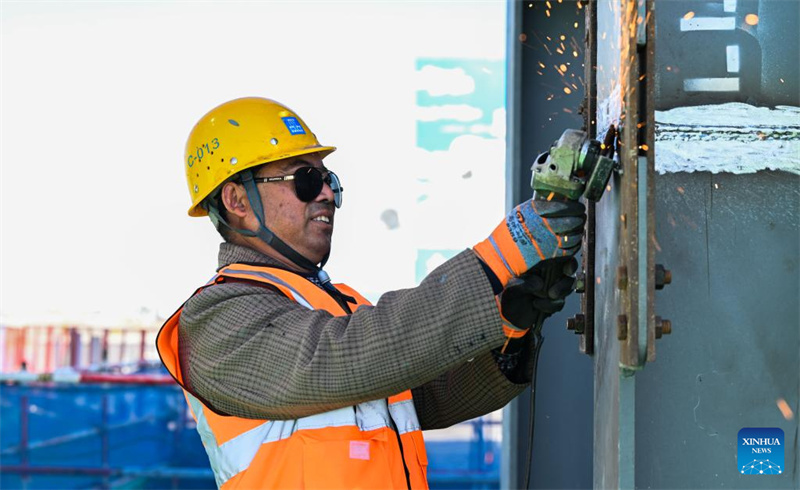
(626, 99)
(624, 285)
(586, 342)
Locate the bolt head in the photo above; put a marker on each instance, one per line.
(580, 283)
(663, 327)
(580, 323)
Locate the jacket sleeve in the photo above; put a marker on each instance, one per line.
(250, 352)
(472, 389)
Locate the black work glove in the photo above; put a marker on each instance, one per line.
(525, 297)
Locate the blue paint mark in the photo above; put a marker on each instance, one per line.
(293, 125)
(233, 122)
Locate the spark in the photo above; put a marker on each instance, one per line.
(548, 38)
(523, 37)
(547, 12)
(716, 186)
(544, 45)
(550, 196)
(598, 280)
(575, 54)
(655, 242)
(530, 5)
(559, 51)
(575, 25)
(541, 65)
(580, 6)
(567, 111)
(642, 77)
(563, 37)
(562, 46)
(608, 187)
(550, 97)
(567, 90)
(669, 68)
(644, 147)
(603, 36)
(563, 67)
(680, 190)
(671, 220)
(602, 145)
(781, 79)
(751, 19)
(785, 409)
(622, 218)
(548, 5)
(640, 125)
(540, 73)
(559, 1)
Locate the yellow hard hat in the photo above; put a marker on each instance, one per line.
(242, 134)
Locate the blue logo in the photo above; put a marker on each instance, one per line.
(760, 451)
(294, 125)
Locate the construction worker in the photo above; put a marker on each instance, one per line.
(296, 382)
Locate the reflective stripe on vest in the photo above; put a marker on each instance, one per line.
(241, 460)
(234, 456)
(233, 271)
(404, 416)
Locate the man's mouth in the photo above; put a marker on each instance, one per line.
(323, 219)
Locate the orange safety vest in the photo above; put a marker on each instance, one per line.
(352, 447)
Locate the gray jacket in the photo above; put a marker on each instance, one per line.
(249, 351)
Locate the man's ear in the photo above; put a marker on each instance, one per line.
(234, 198)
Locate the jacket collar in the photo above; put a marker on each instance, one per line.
(230, 253)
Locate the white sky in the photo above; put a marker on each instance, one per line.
(97, 100)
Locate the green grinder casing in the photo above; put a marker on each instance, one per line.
(572, 168)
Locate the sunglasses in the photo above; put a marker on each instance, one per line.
(308, 182)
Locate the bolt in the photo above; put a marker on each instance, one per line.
(663, 327)
(622, 277)
(663, 276)
(622, 327)
(580, 283)
(577, 323)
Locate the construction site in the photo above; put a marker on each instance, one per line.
(672, 362)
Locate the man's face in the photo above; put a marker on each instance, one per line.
(300, 224)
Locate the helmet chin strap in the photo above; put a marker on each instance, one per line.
(267, 236)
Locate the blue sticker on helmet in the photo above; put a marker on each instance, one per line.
(293, 125)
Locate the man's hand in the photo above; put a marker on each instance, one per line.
(524, 298)
(534, 231)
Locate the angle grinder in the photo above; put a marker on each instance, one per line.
(575, 166)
